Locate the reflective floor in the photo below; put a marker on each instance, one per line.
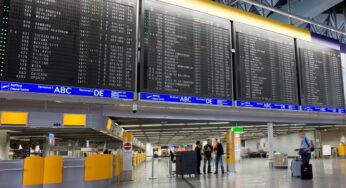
(328, 173)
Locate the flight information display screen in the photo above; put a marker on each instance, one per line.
(321, 75)
(185, 52)
(83, 43)
(266, 67)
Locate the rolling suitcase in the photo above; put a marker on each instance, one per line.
(306, 172)
(296, 165)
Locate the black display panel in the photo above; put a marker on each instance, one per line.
(321, 75)
(84, 43)
(266, 66)
(185, 52)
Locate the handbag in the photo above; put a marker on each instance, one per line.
(302, 151)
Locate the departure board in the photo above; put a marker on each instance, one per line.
(321, 75)
(185, 52)
(266, 67)
(83, 43)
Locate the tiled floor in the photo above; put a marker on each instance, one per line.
(328, 173)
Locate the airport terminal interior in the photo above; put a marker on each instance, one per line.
(172, 93)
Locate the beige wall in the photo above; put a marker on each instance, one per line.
(285, 144)
(333, 138)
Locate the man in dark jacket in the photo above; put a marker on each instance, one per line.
(199, 156)
(207, 150)
(219, 154)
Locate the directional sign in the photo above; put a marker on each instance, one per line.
(185, 99)
(65, 90)
(322, 109)
(264, 105)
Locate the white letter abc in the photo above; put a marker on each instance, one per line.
(185, 99)
(63, 90)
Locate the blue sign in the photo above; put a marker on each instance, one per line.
(51, 139)
(264, 105)
(342, 111)
(184, 99)
(65, 90)
(322, 109)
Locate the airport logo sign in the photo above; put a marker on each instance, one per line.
(5, 86)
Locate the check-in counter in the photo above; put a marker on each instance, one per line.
(342, 150)
(11, 174)
(98, 171)
(73, 173)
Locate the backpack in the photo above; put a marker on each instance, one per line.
(312, 144)
(207, 150)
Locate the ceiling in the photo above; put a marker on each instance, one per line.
(330, 13)
(185, 132)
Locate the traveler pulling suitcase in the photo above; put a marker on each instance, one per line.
(296, 165)
(306, 172)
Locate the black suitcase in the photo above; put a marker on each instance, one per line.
(306, 172)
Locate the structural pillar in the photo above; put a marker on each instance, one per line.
(230, 151)
(271, 143)
(237, 146)
(4, 145)
(149, 149)
(317, 143)
(126, 175)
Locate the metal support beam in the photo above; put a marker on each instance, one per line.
(234, 2)
(289, 11)
(295, 17)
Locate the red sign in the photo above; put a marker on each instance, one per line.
(127, 146)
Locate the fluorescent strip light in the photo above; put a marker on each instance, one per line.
(174, 124)
(218, 123)
(122, 126)
(151, 125)
(197, 124)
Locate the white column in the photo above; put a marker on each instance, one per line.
(271, 142)
(148, 149)
(4, 145)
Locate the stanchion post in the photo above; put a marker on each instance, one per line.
(152, 169)
(170, 167)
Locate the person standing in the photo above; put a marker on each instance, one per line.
(207, 150)
(199, 156)
(306, 146)
(219, 154)
(172, 156)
